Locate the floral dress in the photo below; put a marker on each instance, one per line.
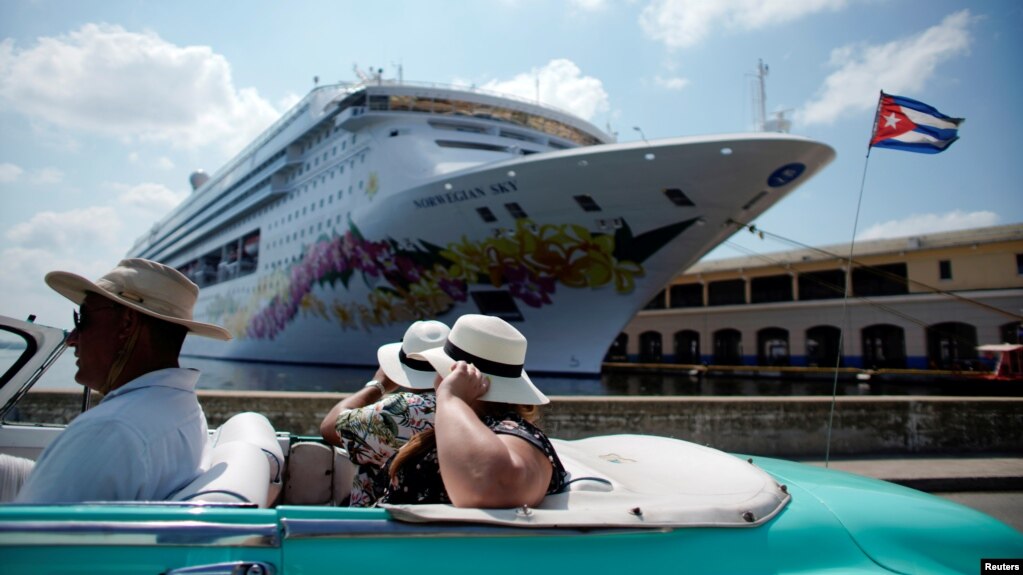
(373, 434)
(419, 480)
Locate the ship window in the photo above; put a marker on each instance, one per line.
(587, 203)
(678, 197)
(517, 136)
(459, 127)
(498, 303)
(471, 146)
(441, 106)
(393, 133)
(487, 215)
(516, 211)
(945, 269)
(378, 102)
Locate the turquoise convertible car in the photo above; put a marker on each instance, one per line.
(269, 505)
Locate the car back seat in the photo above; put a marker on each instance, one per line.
(246, 464)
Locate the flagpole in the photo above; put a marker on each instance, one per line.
(848, 283)
(877, 119)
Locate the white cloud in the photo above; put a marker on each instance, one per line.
(589, 5)
(561, 84)
(10, 173)
(48, 176)
(673, 83)
(683, 23)
(929, 223)
(164, 163)
(154, 199)
(104, 79)
(62, 231)
(902, 67)
(24, 292)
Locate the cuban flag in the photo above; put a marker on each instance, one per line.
(912, 126)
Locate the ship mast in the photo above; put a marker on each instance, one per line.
(760, 97)
(777, 124)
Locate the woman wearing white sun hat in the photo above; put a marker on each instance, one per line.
(483, 426)
(373, 423)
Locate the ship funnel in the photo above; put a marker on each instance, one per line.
(197, 179)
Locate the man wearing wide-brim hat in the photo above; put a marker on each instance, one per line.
(148, 437)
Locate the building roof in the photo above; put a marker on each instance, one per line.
(900, 245)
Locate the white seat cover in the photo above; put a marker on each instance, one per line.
(654, 482)
(238, 474)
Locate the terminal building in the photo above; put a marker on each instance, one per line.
(919, 302)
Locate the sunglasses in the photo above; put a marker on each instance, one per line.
(79, 317)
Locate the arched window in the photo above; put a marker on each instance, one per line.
(1011, 332)
(951, 345)
(619, 350)
(687, 347)
(884, 346)
(728, 347)
(773, 346)
(822, 343)
(650, 347)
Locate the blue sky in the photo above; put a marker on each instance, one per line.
(107, 106)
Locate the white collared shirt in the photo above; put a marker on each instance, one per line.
(144, 441)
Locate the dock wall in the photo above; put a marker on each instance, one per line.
(767, 426)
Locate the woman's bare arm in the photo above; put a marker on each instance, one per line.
(361, 398)
(481, 468)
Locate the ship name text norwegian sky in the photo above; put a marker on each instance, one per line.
(455, 196)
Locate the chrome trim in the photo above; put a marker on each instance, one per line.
(144, 533)
(320, 528)
(231, 568)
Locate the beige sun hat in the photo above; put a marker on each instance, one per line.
(145, 286)
(407, 372)
(497, 349)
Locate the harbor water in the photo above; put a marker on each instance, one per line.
(254, 376)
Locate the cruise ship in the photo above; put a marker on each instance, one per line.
(370, 205)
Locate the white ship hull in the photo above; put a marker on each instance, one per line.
(566, 244)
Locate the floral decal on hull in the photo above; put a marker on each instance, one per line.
(406, 282)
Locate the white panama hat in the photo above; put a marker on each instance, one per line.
(408, 372)
(145, 286)
(497, 349)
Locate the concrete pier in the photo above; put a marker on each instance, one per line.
(793, 427)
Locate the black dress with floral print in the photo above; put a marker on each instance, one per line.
(419, 480)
